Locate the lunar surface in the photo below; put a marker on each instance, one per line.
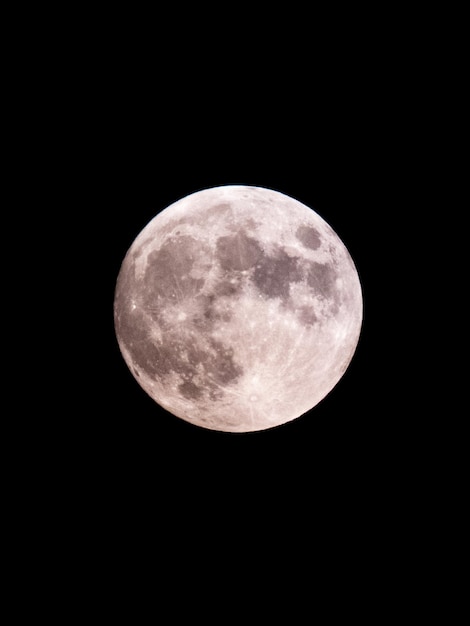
(238, 308)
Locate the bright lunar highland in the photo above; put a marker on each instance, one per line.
(238, 308)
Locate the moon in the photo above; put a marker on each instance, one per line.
(238, 308)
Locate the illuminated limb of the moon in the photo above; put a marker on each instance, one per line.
(238, 308)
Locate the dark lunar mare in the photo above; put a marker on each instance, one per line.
(167, 274)
(274, 274)
(238, 252)
(321, 278)
(204, 364)
(309, 237)
(306, 315)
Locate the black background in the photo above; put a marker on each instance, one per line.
(333, 164)
(124, 125)
(324, 484)
(143, 144)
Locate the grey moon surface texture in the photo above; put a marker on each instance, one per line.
(238, 308)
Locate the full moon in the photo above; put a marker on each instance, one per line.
(238, 308)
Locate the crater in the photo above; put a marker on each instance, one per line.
(308, 237)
